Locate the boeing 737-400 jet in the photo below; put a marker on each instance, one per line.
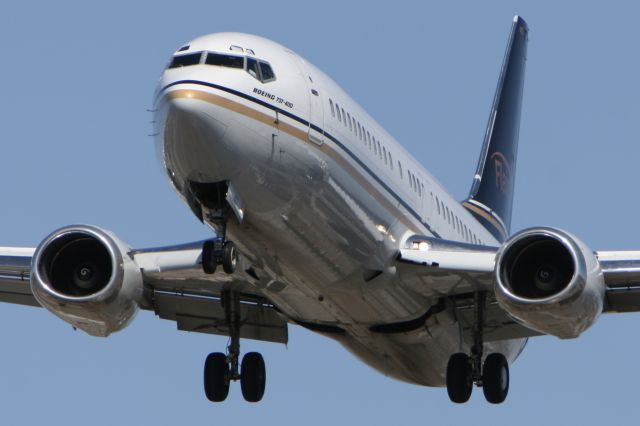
(320, 218)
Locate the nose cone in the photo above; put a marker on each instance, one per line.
(191, 139)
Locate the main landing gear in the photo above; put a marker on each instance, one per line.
(464, 370)
(220, 369)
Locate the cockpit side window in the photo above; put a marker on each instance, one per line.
(252, 68)
(260, 70)
(222, 60)
(267, 72)
(185, 60)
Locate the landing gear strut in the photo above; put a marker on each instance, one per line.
(464, 370)
(220, 369)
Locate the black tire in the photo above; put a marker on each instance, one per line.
(253, 377)
(216, 381)
(495, 378)
(459, 381)
(209, 263)
(229, 257)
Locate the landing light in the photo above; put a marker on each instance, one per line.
(382, 229)
(420, 245)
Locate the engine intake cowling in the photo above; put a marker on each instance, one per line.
(84, 275)
(549, 281)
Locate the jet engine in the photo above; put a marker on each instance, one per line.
(549, 281)
(85, 276)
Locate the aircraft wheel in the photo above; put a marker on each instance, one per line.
(209, 263)
(495, 378)
(216, 381)
(459, 380)
(252, 377)
(229, 257)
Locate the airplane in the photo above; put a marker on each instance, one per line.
(321, 219)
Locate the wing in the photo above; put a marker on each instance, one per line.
(450, 274)
(175, 288)
(178, 289)
(453, 272)
(15, 266)
(622, 275)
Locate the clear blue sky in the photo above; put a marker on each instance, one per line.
(78, 78)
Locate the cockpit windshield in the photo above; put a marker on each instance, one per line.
(185, 60)
(222, 60)
(258, 69)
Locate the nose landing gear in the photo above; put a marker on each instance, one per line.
(464, 370)
(219, 252)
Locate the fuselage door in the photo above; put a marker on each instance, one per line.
(316, 113)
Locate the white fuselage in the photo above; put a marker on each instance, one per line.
(328, 198)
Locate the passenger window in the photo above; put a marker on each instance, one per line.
(442, 205)
(345, 118)
(390, 161)
(400, 168)
(369, 138)
(266, 72)
(185, 60)
(379, 150)
(229, 61)
(385, 154)
(375, 149)
(252, 68)
(355, 129)
(349, 120)
(333, 111)
(338, 111)
(438, 204)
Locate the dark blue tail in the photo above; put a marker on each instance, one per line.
(491, 196)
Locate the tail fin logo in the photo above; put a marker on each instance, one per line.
(502, 170)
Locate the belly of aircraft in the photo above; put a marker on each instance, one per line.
(310, 229)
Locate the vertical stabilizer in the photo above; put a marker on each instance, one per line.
(491, 196)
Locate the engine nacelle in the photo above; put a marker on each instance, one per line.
(85, 276)
(549, 281)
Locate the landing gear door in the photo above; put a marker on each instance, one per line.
(316, 113)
